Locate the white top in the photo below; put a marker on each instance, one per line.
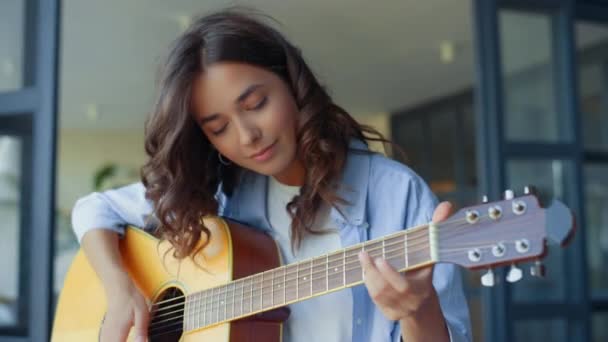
(328, 316)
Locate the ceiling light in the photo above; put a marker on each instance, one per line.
(446, 52)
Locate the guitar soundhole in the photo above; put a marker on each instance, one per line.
(167, 317)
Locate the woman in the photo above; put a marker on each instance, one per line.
(241, 127)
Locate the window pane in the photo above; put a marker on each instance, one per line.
(530, 109)
(548, 176)
(596, 202)
(10, 171)
(442, 126)
(600, 327)
(554, 330)
(11, 44)
(592, 54)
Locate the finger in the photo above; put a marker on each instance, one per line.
(115, 331)
(443, 211)
(370, 273)
(379, 289)
(141, 324)
(394, 278)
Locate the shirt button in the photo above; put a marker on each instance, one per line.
(359, 321)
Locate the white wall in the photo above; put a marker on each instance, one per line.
(82, 153)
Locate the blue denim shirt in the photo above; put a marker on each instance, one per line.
(384, 196)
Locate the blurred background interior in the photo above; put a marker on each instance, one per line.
(481, 95)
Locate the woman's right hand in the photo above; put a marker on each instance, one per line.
(127, 308)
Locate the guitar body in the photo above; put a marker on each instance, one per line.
(235, 251)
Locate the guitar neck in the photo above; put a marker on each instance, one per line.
(405, 250)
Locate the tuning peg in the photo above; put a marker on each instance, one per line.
(530, 190)
(489, 278)
(509, 194)
(484, 199)
(538, 269)
(514, 274)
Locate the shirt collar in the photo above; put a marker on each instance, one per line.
(353, 187)
(354, 184)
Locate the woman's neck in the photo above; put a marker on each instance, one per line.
(293, 175)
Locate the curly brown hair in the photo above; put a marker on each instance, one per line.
(183, 174)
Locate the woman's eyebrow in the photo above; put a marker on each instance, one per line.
(239, 99)
(248, 92)
(208, 118)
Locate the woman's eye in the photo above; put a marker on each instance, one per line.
(219, 131)
(260, 104)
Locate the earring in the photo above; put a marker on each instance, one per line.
(221, 158)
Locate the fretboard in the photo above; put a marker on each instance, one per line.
(296, 282)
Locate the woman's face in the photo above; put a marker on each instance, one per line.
(250, 116)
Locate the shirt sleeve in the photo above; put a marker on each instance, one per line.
(447, 279)
(112, 209)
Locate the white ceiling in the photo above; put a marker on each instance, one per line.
(373, 56)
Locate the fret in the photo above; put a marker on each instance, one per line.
(216, 303)
(267, 289)
(199, 309)
(375, 249)
(353, 270)
(344, 267)
(310, 276)
(291, 283)
(406, 252)
(278, 284)
(419, 250)
(336, 275)
(247, 295)
(205, 296)
(222, 304)
(256, 293)
(230, 300)
(326, 272)
(319, 275)
(213, 311)
(304, 283)
(394, 252)
(284, 285)
(383, 249)
(242, 297)
(237, 305)
(187, 309)
(272, 290)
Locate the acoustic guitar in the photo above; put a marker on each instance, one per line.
(236, 289)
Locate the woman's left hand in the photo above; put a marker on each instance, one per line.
(400, 295)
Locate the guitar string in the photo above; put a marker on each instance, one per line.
(302, 270)
(312, 266)
(272, 292)
(320, 267)
(410, 231)
(178, 320)
(305, 270)
(454, 231)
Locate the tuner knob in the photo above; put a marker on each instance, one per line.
(509, 194)
(488, 279)
(484, 199)
(514, 274)
(530, 190)
(538, 269)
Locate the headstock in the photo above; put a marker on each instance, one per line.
(504, 232)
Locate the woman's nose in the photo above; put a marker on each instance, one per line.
(249, 133)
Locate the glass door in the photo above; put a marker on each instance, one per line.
(529, 134)
(28, 83)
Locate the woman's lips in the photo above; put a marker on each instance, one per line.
(265, 154)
